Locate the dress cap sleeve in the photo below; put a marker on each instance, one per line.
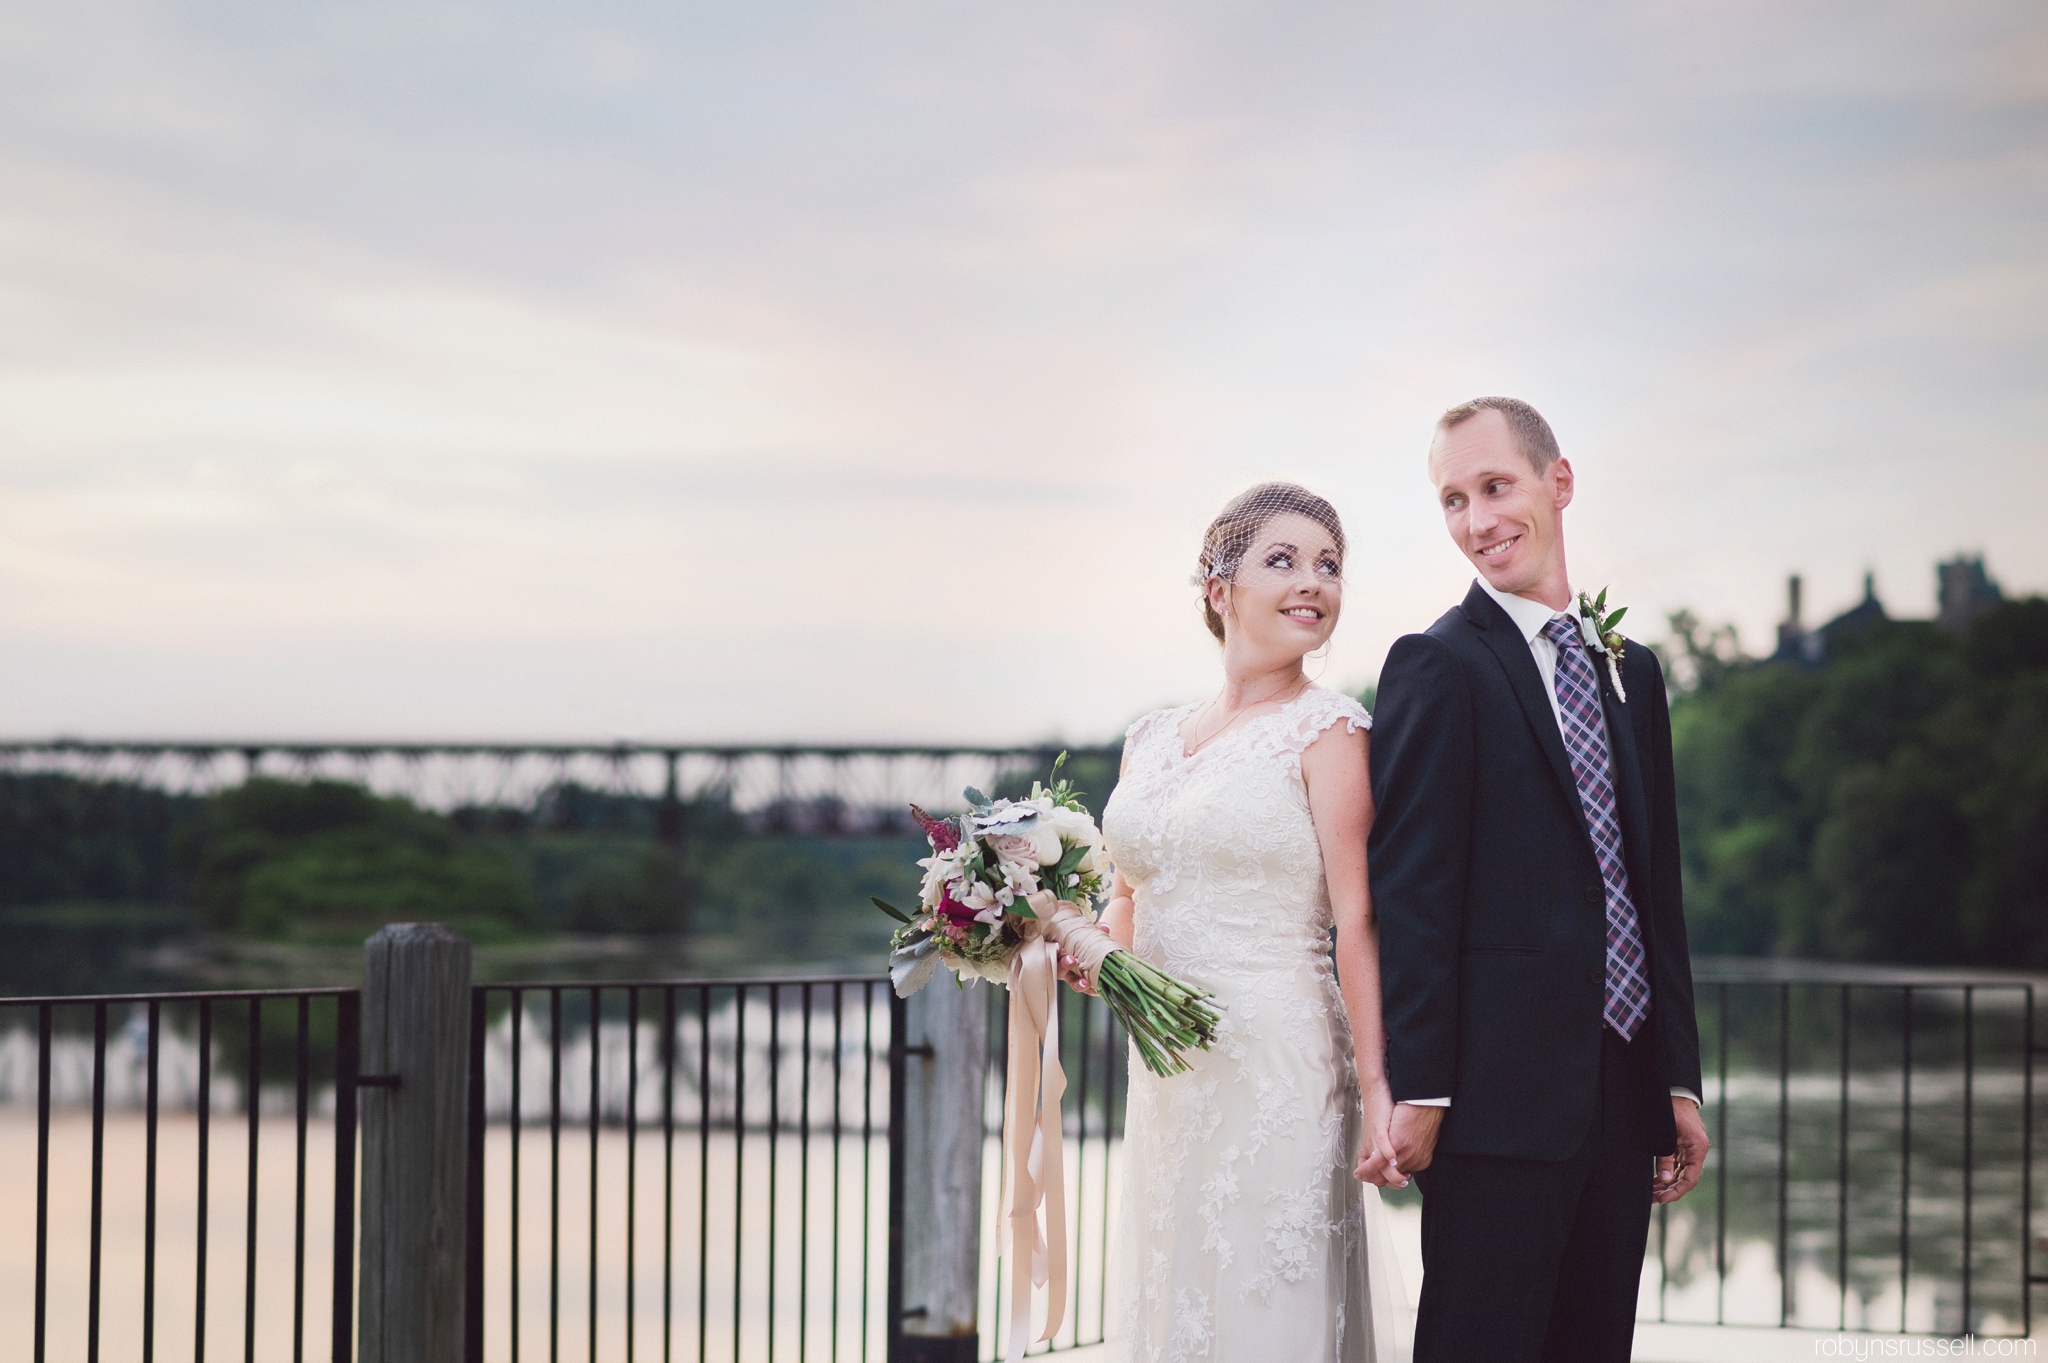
(1318, 710)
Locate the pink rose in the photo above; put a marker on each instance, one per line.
(1020, 848)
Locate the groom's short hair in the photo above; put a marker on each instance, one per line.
(1532, 433)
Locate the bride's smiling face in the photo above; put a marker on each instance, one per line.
(1288, 589)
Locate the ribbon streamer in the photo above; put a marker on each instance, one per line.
(1034, 1151)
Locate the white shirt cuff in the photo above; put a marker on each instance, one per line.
(1425, 1102)
(1686, 1093)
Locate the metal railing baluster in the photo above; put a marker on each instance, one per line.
(2028, 1051)
(1784, 1152)
(473, 1178)
(205, 1136)
(1842, 1178)
(703, 1169)
(867, 1148)
(554, 1174)
(739, 1156)
(1086, 1007)
(99, 1161)
(668, 1166)
(302, 1054)
(838, 1119)
(1905, 1153)
(775, 1122)
(518, 1120)
(152, 1054)
(253, 1096)
(1969, 1141)
(632, 1149)
(596, 1116)
(347, 1063)
(803, 1192)
(1721, 1152)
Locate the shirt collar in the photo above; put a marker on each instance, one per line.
(1529, 616)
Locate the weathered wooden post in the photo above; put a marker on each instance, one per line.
(946, 1062)
(415, 1068)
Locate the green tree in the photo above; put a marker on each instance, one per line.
(321, 860)
(1891, 804)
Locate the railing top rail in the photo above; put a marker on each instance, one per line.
(363, 747)
(177, 996)
(1860, 976)
(704, 982)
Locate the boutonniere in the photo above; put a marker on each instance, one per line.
(1597, 627)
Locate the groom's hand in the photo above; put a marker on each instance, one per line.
(1678, 1173)
(1413, 1133)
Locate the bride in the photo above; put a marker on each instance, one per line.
(1238, 832)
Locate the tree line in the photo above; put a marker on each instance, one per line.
(1889, 804)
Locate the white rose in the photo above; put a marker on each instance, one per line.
(1078, 829)
(1047, 838)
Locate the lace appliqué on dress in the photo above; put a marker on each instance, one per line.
(1240, 1237)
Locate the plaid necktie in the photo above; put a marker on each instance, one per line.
(1585, 742)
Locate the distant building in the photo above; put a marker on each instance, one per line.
(1795, 645)
(1809, 648)
(1965, 592)
(1858, 618)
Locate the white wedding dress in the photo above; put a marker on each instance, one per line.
(1242, 1236)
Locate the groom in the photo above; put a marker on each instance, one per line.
(1524, 860)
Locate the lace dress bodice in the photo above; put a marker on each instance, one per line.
(1220, 846)
(1242, 1235)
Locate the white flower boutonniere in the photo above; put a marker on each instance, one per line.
(1598, 629)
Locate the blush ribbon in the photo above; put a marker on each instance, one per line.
(1033, 1133)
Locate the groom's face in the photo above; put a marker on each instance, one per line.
(1504, 516)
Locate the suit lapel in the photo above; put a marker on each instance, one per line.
(1512, 652)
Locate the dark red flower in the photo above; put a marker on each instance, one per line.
(944, 836)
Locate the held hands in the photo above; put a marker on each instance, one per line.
(1376, 1162)
(1412, 1133)
(1677, 1173)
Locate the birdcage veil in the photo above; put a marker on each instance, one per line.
(1229, 544)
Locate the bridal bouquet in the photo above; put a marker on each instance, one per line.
(1008, 873)
(1002, 898)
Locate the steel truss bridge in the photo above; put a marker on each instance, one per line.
(776, 787)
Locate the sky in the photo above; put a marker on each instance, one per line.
(818, 371)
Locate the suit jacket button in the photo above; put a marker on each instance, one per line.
(1593, 894)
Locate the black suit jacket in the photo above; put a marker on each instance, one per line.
(1493, 923)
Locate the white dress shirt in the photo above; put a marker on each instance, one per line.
(1530, 617)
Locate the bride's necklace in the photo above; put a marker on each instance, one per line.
(1230, 717)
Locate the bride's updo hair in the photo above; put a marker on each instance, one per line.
(1231, 534)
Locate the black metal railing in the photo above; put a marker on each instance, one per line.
(707, 1169)
(1872, 1165)
(715, 1171)
(191, 1061)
